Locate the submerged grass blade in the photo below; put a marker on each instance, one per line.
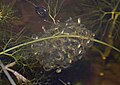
(59, 36)
(106, 44)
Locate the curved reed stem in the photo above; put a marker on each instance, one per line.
(59, 36)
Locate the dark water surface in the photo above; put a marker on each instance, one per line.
(88, 70)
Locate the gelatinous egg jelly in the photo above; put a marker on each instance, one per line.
(61, 52)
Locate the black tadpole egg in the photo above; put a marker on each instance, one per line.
(42, 12)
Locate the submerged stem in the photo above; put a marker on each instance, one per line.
(59, 36)
(7, 74)
(106, 44)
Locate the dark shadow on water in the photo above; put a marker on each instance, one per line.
(79, 71)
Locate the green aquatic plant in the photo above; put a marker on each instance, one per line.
(52, 38)
(56, 48)
(103, 17)
(6, 14)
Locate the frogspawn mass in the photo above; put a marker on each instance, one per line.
(61, 52)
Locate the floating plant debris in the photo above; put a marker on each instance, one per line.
(62, 52)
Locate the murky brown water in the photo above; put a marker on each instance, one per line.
(89, 71)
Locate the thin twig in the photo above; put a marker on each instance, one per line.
(7, 74)
(10, 65)
(62, 82)
(18, 75)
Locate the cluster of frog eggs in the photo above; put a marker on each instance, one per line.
(61, 52)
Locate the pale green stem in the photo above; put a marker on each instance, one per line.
(59, 36)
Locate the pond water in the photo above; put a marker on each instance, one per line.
(56, 62)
